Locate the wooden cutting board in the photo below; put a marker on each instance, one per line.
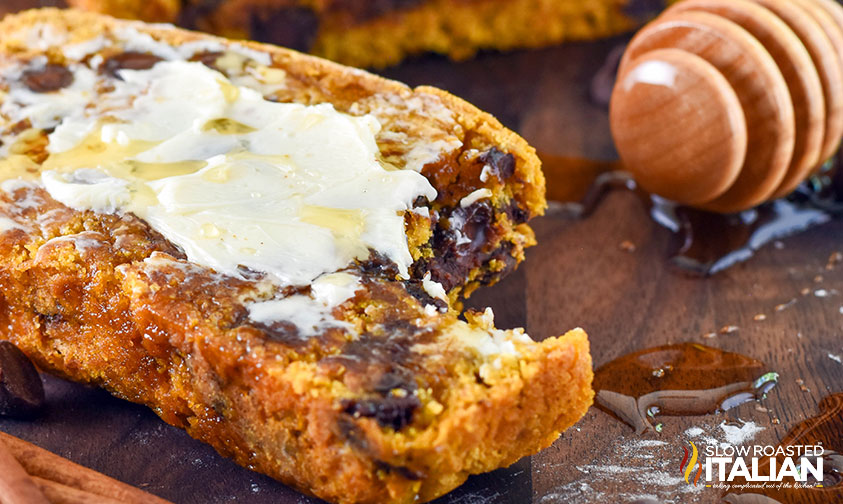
(627, 297)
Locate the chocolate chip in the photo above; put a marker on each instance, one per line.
(49, 319)
(517, 214)
(353, 434)
(249, 273)
(502, 164)
(21, 390)
(129, 60)
(415, 288)
(208, 58)
(281, 332)
(293, 27)
(50, 78)
(404, 472)
(479, 218)
(502, 255)
(220, 408)
(370, 349)
(393, 411)
(460, 246)
(379, 266)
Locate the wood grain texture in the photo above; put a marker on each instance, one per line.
(578, 275)
(630, 300)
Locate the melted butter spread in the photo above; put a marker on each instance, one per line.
(235, 180)
(295, 191)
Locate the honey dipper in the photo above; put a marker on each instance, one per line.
(726, 104)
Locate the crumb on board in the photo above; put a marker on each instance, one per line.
(627, 246)
(802, 386)
(785, 306)
(833, 260)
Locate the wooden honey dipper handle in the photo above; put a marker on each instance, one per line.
(726, 104)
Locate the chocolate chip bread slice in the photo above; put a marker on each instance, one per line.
(267, 249)
(488, 179)
(379, 33)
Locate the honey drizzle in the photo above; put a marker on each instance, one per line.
(685, 379)
(705, 243)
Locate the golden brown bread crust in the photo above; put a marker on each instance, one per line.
(153, 11)
(366, 33)
(424, 117)
(399, 407)
(80, 294)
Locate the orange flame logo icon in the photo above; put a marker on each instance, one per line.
(686, 467)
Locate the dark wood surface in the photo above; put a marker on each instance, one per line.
(579, 275)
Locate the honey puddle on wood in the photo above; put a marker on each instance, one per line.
(685, 379)
(705, 243)
(825, 429)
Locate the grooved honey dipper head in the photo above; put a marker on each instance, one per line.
(753, 105)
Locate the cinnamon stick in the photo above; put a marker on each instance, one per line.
(16, 487)
(49, 466)
(57, 493)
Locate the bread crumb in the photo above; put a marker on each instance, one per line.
(628, 246)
